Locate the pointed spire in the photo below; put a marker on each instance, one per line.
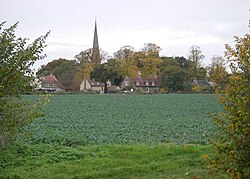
(96, 53)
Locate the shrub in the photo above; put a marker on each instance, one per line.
(16, 59)
(232, 142)
(196, 88)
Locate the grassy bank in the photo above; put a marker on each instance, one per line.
(104, 161)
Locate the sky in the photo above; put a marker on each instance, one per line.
(174, 25)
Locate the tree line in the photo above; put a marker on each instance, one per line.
(176, 73)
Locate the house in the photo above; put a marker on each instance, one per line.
(50, 84)
(143, 84)
(203, 84)
(91, 85)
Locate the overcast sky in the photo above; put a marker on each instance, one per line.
(174, 25)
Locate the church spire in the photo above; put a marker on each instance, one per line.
(95, 51)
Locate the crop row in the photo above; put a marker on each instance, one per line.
(126, 119)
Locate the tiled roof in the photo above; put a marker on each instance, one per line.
(93, 83)
(144, 81)
(50, 80)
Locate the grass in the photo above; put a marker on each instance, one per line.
(104, 161)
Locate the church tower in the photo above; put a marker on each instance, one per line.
(95, 51)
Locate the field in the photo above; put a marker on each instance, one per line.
(115, 136)
(126, 119)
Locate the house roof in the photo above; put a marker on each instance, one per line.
(142, 81)
(202, 82)
(94, 83)
(51, 79)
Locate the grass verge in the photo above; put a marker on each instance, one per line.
(104, 161)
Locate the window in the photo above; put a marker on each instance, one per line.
(137, 83)
(153, 83)
(146, 83)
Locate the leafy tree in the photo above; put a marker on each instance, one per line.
(63, 69)
(127, 63)
(232, 143)
(86, 56)
(148, 60)
(173, 77)
(126, 51)
(151, 50)
(106, 72)
(217, 71)
(150, 66)
(196, 57)
(115, 76)
(16, 59)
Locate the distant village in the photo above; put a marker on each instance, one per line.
(131, 71)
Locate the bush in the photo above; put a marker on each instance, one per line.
(16, 59)
(196, 88)
(15, 113)
(232, 142)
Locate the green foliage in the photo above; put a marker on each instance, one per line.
(197, 72)
(173, 76)
(126, 61)
(232, 143)
(217, 72)
(15, 113)
(63, 69)
(106, 71)
(125, 119)
(104, 161)
(16, 59)
(196, 88)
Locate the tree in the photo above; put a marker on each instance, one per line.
(63, 69)
(127, 63)
(148, 60)
(126, 51)
(16, 59)
(86, 56)
(173, 77)
(195, 57)
(151, 50)
(217, 72)
(106, 72)
(232, 143)
(150, 66)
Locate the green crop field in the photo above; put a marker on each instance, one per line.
(126, 119)
(116, 136)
